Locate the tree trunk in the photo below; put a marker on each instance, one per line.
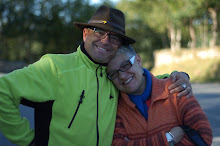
(201, 32)
(165, 42)
(205, 33)
(172, 34)
(178, 39)
(214, 27)
(192, 34)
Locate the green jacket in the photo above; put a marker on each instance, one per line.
(84, 107)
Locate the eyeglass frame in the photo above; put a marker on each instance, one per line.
(130, 61)
(106, 33)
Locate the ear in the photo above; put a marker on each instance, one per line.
(138, 59)
(85, 33)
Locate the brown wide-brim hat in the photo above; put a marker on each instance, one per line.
(108, 19)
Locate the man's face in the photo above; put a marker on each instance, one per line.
(101, 50)
(131, 81)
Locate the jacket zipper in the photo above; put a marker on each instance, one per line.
(101, 70)
(80, 101)
(97, 117)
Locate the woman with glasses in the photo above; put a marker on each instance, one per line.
(148, 114)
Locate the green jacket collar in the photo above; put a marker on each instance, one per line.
(90, 63)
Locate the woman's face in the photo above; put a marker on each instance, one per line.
(131, 81)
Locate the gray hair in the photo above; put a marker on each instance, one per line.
(127, 49)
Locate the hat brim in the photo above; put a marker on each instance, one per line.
(125, 39)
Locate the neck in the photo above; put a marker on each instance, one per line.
(87, 54)
(143, 86)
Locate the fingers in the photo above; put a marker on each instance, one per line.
(173, 76)
(181, 85)
(186, 92)
(177, 86)
(182, 91)
(126, 139)
(190, 94)
(178, 89)
(178, 134)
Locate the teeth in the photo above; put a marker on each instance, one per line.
(102, 49)
(128, 80)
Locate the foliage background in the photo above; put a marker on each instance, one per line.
(32, 28)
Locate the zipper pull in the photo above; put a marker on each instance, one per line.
(81, 96)
(80, 101)
(101, 70)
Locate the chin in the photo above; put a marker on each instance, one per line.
(129, 92)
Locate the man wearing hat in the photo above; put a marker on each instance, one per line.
(82, 101)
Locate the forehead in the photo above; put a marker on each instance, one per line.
(101, 29)
(116, 62)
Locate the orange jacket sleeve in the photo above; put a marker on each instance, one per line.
(120, 137)
(192, 115)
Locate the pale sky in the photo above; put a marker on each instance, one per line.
(98, 1)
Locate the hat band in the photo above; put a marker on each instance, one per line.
(106, 22)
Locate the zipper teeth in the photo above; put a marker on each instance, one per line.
(80, 101)
(101, 70)
(97, 117)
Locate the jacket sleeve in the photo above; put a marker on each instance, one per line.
(166, 75)
(120, 135)
(192, 115)
(37, 83)
(162, 76)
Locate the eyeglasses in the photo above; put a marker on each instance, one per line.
(102, 34)
(124, 67)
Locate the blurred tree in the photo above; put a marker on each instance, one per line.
(108, 3)
(191, 10)
(148, 21)
(164, 16)
(16, 19)
(31, 28)
(147, 38)
(213, 7)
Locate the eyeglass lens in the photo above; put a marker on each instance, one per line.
(102, 34)
(124, 67)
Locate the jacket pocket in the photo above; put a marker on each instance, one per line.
(79, 103)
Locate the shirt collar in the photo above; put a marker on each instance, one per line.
(87, 54)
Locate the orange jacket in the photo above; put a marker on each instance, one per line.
(165, 112)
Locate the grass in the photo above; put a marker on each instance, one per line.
(200, 70)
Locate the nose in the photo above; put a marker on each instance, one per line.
(122, 75)
(105, 40)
